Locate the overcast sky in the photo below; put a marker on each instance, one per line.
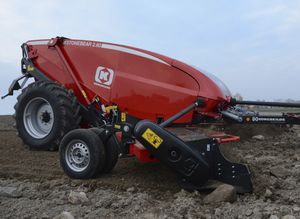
(253, 46)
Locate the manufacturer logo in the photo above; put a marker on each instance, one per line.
(104, 77)
(268, 119)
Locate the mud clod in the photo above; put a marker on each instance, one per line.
(259, 137)
(288, 217)
(78, 198)
(9, 192)
(268, 193)
(224, 193)
(64, 215)
(131, 189)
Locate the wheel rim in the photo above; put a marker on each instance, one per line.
(38, 118)
(77, 155)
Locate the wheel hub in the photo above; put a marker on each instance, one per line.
(46, 116)
(77, 155)
(38, 118)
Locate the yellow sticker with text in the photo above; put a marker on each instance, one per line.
(30, 68)
(117, 126)
(152, 138)
(84, 94)
(123, 117)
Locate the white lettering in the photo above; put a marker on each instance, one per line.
(82, 43)
(104, 75)
(267, 119)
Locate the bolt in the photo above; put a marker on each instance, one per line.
(173, 153)
(126, 128)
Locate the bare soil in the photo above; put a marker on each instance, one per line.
(136, 190)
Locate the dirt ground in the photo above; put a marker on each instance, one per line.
(136, 190)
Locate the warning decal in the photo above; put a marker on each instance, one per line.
(152, 138)
(123, 117)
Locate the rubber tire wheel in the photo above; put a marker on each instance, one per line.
(66, 112)
(111, 149)
(97, 153)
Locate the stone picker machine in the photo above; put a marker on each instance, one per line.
(100, 101)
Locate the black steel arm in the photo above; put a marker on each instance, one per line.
(263, 103)
(198, 103)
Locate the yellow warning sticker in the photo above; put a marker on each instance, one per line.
(30, 68)
(117, 126)
(152, 138)
(123, 117)
(84, 94)
(109, 108)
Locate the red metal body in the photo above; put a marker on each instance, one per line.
(142, 83)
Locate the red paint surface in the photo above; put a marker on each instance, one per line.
(143, 87)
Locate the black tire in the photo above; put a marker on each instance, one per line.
(111, 151)
(96, 154)
(65, 109)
